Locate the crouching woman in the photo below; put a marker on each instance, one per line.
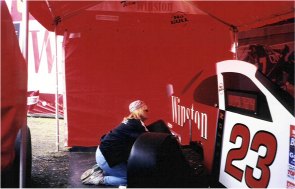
(113, 152)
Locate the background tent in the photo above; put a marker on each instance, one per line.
(117, 52)
(41, 65)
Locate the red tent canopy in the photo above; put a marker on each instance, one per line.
(245, 15)
(242, 14)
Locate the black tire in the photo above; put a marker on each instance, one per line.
(156, 161)
(28, 168)
(10, 177)
(159, 126)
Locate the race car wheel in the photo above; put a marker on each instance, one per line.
(28, 167)
(10, 177)
(156, 160)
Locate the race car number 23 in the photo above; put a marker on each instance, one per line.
(261, 138)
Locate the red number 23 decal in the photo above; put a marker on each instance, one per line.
(261, 138)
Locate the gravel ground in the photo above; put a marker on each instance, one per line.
(50, 168)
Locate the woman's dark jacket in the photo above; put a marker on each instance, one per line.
(116, 145)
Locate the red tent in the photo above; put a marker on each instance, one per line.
(120, 51)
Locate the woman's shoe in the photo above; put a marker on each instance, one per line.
(89, 172)
(96, 178)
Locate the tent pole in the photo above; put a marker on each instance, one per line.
(56, 94)
(24, 48)
(56, 79)
(65, 36)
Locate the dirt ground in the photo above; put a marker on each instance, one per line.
(50, 168)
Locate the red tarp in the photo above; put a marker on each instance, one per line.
(13, 88)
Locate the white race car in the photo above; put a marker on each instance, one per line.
(256, 130)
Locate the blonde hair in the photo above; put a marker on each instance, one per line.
(134, 115)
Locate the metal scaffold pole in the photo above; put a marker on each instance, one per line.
(56, 96)
(24, 133)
